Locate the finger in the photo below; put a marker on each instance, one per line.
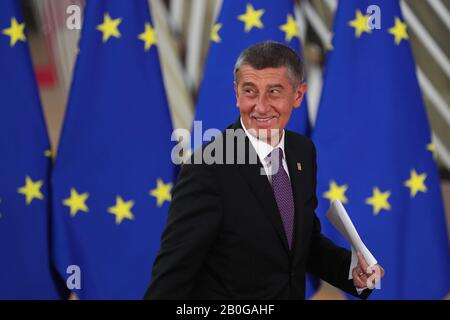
(357, 280)
(358, 270)
(363, 263)
(356, 273)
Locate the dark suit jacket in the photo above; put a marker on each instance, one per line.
(224, 237)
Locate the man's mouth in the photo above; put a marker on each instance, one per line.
(264, 120)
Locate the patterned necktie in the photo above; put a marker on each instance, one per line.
(282, 190)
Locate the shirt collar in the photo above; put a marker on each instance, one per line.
(263, 149)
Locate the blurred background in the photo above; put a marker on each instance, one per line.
(184, 37)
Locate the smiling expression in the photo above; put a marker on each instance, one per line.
(266, 98)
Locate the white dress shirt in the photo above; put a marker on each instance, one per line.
(264, 149)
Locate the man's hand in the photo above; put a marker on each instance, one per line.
(365, 276)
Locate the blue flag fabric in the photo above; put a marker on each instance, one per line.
(375, 153)
(114, 173)
(240, 25)
(25, 269)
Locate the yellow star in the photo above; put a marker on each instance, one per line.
(432, 148)
(76, 202)
(399, 31)
(31, 190)
(48, 153)
(360, 23)
(290, 28)
(109, 27)
(252, 18)
(416, 183)
(15, 32)
(161, 192)
(148, 36)
(379, 200)
(122, 210)
(336, 192)
(215, 33)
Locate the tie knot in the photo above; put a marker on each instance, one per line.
(276, 154)
(275, 159)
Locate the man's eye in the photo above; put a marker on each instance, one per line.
(275, 91)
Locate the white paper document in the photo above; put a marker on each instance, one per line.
(339, 218)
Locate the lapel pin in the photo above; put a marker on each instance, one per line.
(299, 166)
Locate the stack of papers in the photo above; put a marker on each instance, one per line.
(339, 218)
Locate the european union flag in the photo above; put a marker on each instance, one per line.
(240, 25)
(375, 152)
(25, 269)
(114, 174)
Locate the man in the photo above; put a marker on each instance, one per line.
(246, 229)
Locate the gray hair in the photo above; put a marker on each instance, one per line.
(270, 54)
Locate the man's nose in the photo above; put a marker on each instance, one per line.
(262, 104)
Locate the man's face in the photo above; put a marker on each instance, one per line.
(266, 98)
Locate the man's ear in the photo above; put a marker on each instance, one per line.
(300, 94)
(236, 93)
